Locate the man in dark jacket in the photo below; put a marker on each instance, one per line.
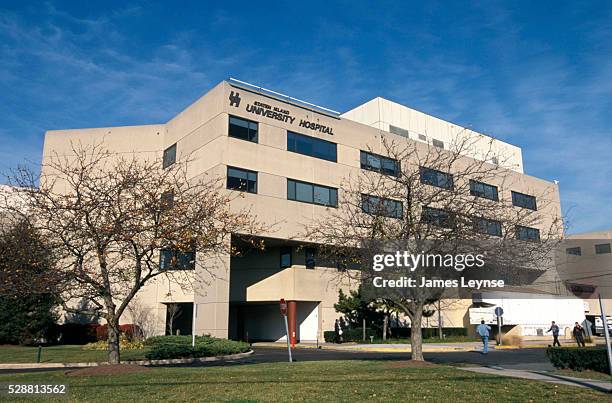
(579, 334)
(555, 332)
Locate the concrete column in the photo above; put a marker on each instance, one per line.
(211, 294)
(292, 319)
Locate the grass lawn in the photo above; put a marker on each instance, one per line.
(19, 354)
(307, 381)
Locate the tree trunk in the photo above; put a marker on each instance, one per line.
(416, 335)
(385, 325)
(113, 343)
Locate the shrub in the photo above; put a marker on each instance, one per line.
(429, 332)
(168, 347)
(124, 344)
(128, 330)
(28, 319)
(78, 333)
(355, 334)
(579, 359)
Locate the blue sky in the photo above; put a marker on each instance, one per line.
(535, 74)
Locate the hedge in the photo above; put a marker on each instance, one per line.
(129, 330)
(355, 334)
(579, 359)
(168, 347)
(77, 333)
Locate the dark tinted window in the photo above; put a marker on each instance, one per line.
(381, 206)
(167, 200)
(243, 129)
(527, 233)
(481, 189)
(285, 257)
(576, 251)
(437, 217)
(437, 143)
(311, 193)
(309, 255)
(169, 156)
(174, 259)
(311, 146)
(602, 248)
(399, 131)
(436, 178)
(241, 179)
(523, 200)
(378, 163)
(486, 226)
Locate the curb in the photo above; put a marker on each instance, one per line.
(56, 365)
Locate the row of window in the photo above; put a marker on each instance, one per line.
(445, 219)
(287, 261)
(318, 148)
(600, 249)
(444, 180)
(245, 180)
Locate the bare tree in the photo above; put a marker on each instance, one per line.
(173, 312)
(107, 216)
(425, 201)
(142, 318)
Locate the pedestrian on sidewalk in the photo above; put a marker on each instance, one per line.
(555, 332)
(337, 332)
(483, 330)
(579, 334)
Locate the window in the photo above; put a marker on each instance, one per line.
(285, 257)
(378, 163)
(422, 137)
(175, 259)
(436, 178)
(437, 143)
(489, 227)
(398, 130)
(167, 200)
(527, 233)
(437, 217)
(576, 251)
(311, 193)
(602, 248)
(311, 146)
(169, 156)
(381, 206)
(523, 200)
(243, 129)
(241, 179)
(480, 189)
(309, 255)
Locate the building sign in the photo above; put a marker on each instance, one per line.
(276, 113)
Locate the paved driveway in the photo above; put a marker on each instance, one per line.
(528, 359)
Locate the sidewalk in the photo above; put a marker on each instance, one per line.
(401, 347)
(382, 348)
(602, 386)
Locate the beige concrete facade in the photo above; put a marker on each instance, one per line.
(242, 296)
(590, 271)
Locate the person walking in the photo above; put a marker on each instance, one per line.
(579, 334)
(483, 330)
(555, 332)
(337, 332)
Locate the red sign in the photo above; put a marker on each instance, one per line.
(283, 307)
